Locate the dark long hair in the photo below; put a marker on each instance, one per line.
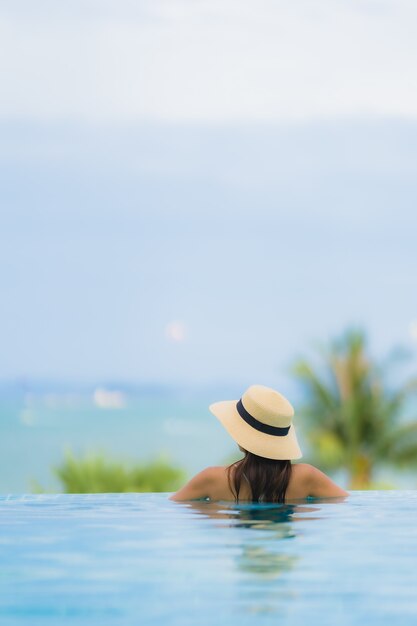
(268, 478)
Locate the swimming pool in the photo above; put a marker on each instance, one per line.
(133, 559)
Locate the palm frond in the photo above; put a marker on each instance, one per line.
(353, 418)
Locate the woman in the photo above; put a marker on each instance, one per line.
(261, 424)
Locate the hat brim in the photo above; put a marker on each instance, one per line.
(261, 444)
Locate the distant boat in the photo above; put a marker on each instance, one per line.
(105, 399)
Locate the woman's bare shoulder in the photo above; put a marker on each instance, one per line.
(306, 469)
(318, 483)
(215, 470)
(303, 470)
(199, 486)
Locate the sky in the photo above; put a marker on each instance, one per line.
(199, 191)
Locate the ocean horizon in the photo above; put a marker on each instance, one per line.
(42, 420)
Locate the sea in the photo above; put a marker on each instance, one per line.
(41, 422)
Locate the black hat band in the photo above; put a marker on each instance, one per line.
(263, 428)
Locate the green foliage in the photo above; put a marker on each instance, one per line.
(95, 474)
(352, 418)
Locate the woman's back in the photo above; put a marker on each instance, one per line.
(305, 480)
(297, 486)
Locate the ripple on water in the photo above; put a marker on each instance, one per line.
(142, 559)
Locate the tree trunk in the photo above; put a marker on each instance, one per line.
(361, 472)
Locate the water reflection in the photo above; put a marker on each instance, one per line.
(270, 524)
(264, 563)
(271, 517)
(266, 552)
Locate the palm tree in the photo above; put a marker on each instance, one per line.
(353, 419)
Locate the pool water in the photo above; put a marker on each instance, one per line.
(133, 559)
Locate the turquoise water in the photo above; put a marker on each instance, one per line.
(38, 425)
(37, 428)
(131, 559)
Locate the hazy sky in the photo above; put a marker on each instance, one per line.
(194, 191)
(126, 61)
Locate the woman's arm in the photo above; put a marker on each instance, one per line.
(321, 486)
(196, 488)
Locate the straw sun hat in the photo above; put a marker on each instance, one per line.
(260, 422)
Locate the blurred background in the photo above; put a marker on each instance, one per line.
(197, 196)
